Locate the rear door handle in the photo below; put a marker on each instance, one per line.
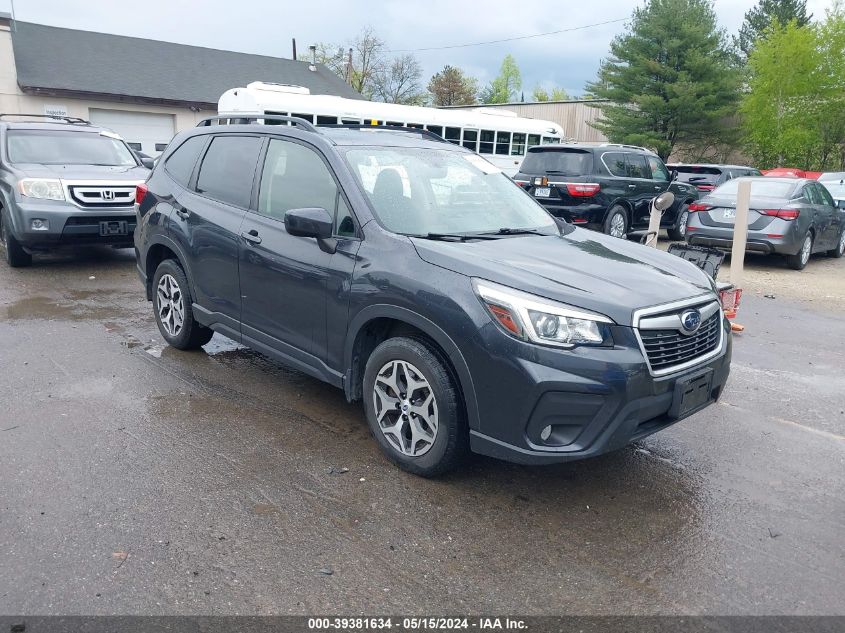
(632, 186)
(252, 237)
(183, 213)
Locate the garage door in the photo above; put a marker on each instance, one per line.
(147, 132)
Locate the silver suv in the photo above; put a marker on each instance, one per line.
(64, 182)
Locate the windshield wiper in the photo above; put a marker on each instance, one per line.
(509, 231)
(457, 237)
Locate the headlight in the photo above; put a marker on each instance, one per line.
(43, 188)
(540, 320)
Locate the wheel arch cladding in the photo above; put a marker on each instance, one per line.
(377, 323)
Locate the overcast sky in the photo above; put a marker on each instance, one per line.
(266, 27)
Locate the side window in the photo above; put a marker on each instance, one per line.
(486, 145)
(344, 225)
(637, 166)
(811, 195)
(826, 197)
(228, 169)
(453, 135)
(180, 164)
(658, 169)
(503, 142)
(518, 148)
(295, 177)
(615, 163)
(533, 139)
(471, 140)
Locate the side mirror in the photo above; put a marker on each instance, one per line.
(840, 204)
(309, 222)
(149, 163)
(664, 200)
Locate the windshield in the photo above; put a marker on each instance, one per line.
(54, 147)
(563, 162)
(761, 187)
(417, 191)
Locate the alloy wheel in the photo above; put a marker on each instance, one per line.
(171, 307)
(617, 225)
(842, 243)
(805, 249)
(405, 407)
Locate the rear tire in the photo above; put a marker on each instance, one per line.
(679, 231)
(414, 408)
(800, 259)
(616, 222)
(837, 252)
(172, 303)
(16, 257)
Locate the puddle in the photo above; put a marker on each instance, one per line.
(73, 306)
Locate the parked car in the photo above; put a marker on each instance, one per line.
(608, 187)
(795, 217)
(417, 277)
(64, 182)
(790, 172)
(834, 181)
(706, 177)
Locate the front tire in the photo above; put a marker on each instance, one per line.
(616, 222)
(839, 250)
(679, 231)
(800, 259)
(16, 257)
(172, 303)
(414, 408)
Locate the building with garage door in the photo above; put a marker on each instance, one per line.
(144, 90)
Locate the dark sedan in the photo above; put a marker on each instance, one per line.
(795, 217)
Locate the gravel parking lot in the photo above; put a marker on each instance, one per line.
(142, 480)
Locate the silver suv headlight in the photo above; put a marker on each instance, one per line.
(42, 188)
(532, 318)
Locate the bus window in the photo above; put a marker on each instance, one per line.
(453, 135)
(471, 140)
(533, 139)
(326, 120)
(351, 121)
(518, 148)
(486, 144)
(307, 117)
(416, 126)
(395, 124)
(551, 140)
(271, 122)
(503, 142)
(436, 129)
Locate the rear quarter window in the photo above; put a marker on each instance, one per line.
(228, 169)
(615, 163)
(180, 164)
(564, 162)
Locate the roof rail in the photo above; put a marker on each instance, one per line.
(249, 118)
(625, 145)
(386, 128)
(55, 117)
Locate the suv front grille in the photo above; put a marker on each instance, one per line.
(667, 347)
(96, 196)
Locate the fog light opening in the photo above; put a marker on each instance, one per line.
(546, 433)
(39, 224)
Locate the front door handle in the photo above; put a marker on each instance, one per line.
(632, 186)
(657, 187)
(183, 213)
(251, 236)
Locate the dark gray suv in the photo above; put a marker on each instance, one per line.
(417, 277)
(64, 182)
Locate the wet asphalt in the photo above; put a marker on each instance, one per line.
(137, 479)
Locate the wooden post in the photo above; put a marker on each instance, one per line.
(653, 226)
(743, 201)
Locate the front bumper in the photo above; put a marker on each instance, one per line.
(69, 225)
(596, 400)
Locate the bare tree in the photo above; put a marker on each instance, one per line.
(400, 82)
(368, 61)
(331, 56)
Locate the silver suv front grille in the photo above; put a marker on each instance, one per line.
(668, 346)
(97, 196)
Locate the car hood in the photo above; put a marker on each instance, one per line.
(82, 172)
(584, 269)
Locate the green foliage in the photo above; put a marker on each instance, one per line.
(505, 87)
(541, 94)
(451, 86)
(794, 111)
(670, 78)
(766, 12)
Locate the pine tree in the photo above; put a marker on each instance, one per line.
(670, 78)
(761, 16)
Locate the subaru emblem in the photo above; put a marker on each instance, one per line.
(690, 321)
